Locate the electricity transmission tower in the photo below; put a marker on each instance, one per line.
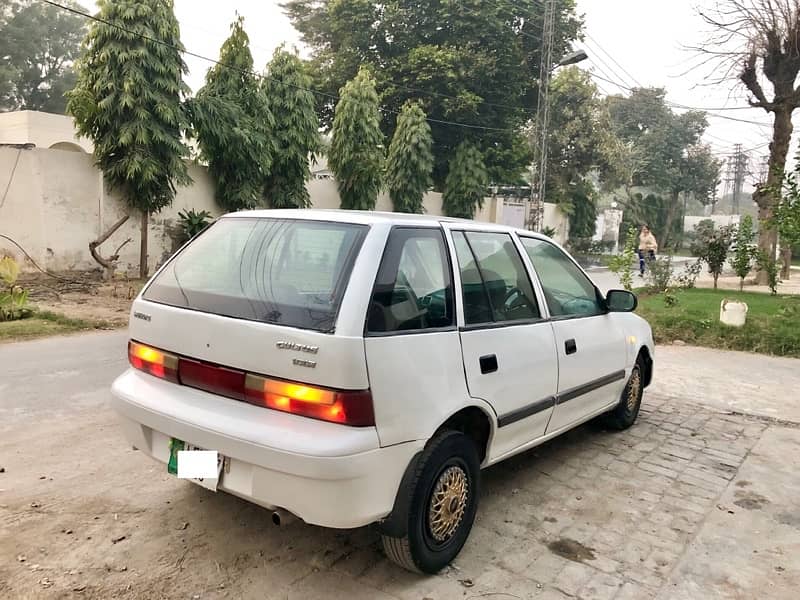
(736, 171)
(539, 179)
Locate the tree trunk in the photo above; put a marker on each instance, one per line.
(764, 196)
(671, 210)
(108, 264)
(786, 253)
(143, 248)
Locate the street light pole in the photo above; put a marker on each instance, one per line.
(539, 178)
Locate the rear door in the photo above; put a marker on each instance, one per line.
(508, 348)
(589, 341)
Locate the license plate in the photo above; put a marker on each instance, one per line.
(176, 446)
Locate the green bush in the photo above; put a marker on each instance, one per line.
(13, 298)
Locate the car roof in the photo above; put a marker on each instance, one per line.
(369, 217)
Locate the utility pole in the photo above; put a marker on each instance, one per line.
(539, 177)
(735, 174)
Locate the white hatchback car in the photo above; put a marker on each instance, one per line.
(352, 368)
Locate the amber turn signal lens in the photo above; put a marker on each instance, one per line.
(152, 361)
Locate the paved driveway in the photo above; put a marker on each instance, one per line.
(692, 502)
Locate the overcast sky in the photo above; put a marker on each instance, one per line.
(646, 38)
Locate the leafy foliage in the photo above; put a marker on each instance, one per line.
(580, 141)
(744, 251)
(659, 274)
(768, 265)
(356, 154)
(128, 100)
(193, 222)
(662, 151)
(469, 62)
(466, 183)
(39, 44)
(410, 161)
(712, 245)
(787, 213)
(582, 213)
(296, 130)
(232, 123)
(13, 298)
(622, 263)
(688, 277)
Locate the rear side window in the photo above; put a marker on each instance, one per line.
(286, 272)
(494, 283)
(414, 289)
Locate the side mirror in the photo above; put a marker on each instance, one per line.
(621, 301)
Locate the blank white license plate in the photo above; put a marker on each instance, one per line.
(203, 467)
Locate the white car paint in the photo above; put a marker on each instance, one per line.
(339, 476)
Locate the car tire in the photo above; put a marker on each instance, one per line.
(625, 413)
(442, 506)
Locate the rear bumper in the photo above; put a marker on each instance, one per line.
(326, 474)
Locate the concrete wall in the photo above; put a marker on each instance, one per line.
(44, 130)
(689, 223)
(57, 203)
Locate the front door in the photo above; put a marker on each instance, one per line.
(590, 344)
(508, 352)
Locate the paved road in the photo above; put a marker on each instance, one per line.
(689, 503)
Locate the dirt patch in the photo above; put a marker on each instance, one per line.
(571, 550)
(743, 483)
(750, 500)
(83, 295)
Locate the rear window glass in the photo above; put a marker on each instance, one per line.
(286, 272)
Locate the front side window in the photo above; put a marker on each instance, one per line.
(567, 290)
(413, 290)
(282, 271)
(494, 283)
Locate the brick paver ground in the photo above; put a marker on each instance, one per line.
(591, 515)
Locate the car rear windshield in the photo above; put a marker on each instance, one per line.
(286, 272)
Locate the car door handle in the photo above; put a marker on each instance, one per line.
(570, 346)
(488, 363)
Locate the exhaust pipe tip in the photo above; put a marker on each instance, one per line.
(282, 518)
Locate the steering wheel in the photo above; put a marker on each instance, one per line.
(515, 299)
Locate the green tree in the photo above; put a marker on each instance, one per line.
(712, 245)
(466, 183)
(409, 164)
(356, 154)
(664, 151)
(296, 131)
(469, 62)
(127, 100)
(232, 123)
(582, 212)
(744, 252)
(787, 221)
(38, 46)
(581, 140)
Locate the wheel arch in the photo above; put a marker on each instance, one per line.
(647, 363)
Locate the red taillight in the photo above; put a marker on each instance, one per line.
(155, 362)
(352, 408)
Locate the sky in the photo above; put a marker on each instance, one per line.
(631, 42)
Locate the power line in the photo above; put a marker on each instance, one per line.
(255, 74)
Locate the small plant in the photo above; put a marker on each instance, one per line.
(549, 232)
(13, 298)
(688, 277)
(193, 222)
(659, 273)
(769, 265)
(744, 252)
(620, 264)
(712, 246)
(670, 299)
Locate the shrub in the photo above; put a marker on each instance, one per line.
(659, 273)
(769, 265)
(13, 298)
(688, 277)
(744, 253)
(193, 222)
(712, 246)
(621, 264)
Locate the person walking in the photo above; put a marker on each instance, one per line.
(648, 246)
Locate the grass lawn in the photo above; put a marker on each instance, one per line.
(44, 323)
(773, 322)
